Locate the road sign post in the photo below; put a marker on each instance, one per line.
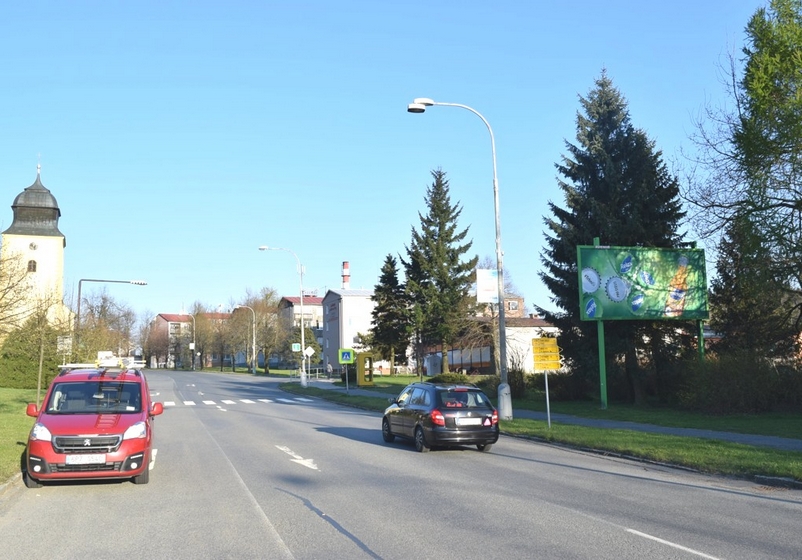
(547, 357)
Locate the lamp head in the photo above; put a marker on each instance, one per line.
(419, 105)
(139, 282)
(263, 247)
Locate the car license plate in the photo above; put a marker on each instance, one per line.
(469, 421)
(86, 459)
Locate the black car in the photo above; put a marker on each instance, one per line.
(435, 415)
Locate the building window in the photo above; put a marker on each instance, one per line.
(31, 266)
(512, 306)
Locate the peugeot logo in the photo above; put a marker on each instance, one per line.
(87, 442)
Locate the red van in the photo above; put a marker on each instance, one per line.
(93, 424)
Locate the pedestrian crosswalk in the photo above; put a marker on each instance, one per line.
(234, 402)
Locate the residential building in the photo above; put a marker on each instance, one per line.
(346, 314)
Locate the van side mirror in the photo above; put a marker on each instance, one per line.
(156, 409)
(32, 410)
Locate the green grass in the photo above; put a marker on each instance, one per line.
(716, 457)
(14, 428)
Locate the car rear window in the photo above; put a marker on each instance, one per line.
(456, 398)
(93, 397)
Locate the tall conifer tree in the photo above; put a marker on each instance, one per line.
(438, 279)
(618, 189)
(391, 315)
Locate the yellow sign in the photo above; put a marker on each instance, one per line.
(540, 344)
(546, 354)
(547, 366)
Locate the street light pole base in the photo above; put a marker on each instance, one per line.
(504, 402)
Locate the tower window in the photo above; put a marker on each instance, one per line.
(31, 266)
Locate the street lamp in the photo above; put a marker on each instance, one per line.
(78, 311)
(253, 347)
(419, 105)
(301, 276)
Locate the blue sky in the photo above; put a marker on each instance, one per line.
(178, 137)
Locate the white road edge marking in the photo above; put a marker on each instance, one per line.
(669, 543)
(308, 463)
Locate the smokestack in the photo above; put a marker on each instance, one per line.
(346, 276)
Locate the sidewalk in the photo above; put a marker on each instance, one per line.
(783, 444)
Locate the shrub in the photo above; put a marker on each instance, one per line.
(738, 382)
(517, 382)
(455, 378)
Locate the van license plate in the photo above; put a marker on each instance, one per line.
(469, 421)
(86, 459)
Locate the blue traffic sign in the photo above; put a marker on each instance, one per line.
(347, 356)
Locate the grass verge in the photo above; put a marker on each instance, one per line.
(704, 455)
(14, 428)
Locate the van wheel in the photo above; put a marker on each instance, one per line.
(420, 440)
(145, 476)
(30, 482)
(484, 446)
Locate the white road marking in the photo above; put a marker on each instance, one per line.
(297, 400)
(308, 463)
(671, 544)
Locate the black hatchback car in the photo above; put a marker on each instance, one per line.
(435, 415)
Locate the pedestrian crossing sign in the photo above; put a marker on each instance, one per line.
(347, 356)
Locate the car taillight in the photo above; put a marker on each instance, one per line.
(437, 418)
(494, 419)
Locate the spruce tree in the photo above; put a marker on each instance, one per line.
(391, 315)
(438, 279)
(616, 188)
(751, 308)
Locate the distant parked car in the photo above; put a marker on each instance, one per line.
(93, 424)
(442, 415)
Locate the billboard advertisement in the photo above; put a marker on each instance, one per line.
(641, 283)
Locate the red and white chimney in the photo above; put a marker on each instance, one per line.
(346, 276)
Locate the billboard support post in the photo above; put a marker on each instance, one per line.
(602, 354)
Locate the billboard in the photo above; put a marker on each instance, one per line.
(641, 283)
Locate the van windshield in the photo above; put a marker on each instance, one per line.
(93, 397)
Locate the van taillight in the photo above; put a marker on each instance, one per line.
(437, 418)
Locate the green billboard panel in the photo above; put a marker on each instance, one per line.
(646, 283)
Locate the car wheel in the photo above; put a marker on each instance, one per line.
(386, 433)
(420, 440)
(484, 446)
(30, 482)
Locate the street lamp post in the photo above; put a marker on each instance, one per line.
(78, 310)
(193, 341)
(419, 105)
(253, 345)
(303, 328)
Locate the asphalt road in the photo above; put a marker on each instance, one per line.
(244, 470)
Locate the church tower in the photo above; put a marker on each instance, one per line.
(34, 246)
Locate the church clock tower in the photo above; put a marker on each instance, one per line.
(34, 243)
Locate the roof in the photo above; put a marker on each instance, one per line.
(308, 300)
(350, 293)
(186, 318)
(36, 212)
